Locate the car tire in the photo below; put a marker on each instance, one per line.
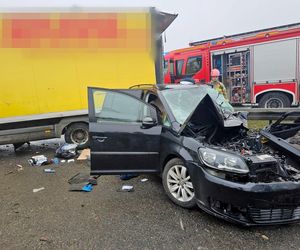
(274, 100)
(177, 184)
(78, 133)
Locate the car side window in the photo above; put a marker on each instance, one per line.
(156, 103)
(119, 107)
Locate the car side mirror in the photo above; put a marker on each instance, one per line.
(148, 122)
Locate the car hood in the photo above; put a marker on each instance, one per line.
(209, 114)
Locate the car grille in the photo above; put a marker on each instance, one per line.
(273, 215)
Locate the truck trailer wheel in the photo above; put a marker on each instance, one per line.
(274, 100)
(78, 133)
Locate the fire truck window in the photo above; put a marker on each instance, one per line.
(179, 67)
(194, 64)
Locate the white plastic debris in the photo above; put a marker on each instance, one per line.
(127, 188)
(35, 190)
(144, 180)
(181, 224)
(38, 160)
(49, 170)
(71, 160)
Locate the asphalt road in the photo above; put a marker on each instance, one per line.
(56, 218)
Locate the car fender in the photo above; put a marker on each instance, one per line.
(184, 148)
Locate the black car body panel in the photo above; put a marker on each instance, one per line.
(237, 202)
(269, 193)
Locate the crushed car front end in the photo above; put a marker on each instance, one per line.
(256, 181)
(248, 203)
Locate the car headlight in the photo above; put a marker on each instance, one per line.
(223, 161)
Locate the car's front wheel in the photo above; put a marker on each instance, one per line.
(177, 183)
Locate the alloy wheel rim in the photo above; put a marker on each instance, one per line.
(179, 183)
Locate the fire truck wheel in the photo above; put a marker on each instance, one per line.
(274, 100)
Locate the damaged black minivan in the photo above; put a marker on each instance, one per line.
(191, 136)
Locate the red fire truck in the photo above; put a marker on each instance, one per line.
(259, 67)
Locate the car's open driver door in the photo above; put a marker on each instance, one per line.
(124, 133)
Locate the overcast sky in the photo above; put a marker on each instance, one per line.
(198, 19)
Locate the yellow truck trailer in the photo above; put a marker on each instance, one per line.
(49, 57)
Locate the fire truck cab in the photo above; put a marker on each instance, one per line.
(259, 67)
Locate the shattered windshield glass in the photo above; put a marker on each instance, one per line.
(183, 101)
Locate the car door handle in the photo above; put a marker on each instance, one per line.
(99, 138)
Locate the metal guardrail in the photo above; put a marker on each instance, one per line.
(269, 114)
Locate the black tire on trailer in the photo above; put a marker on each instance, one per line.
(78, 133)
(274, 100)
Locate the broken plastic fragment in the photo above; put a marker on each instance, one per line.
(87, 188)
(49, 170)
(20, 167)
(38, 160)
(35, 190)
(66, 151)
(127, 188)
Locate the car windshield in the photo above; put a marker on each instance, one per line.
(183, 101)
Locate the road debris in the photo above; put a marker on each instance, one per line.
(20, 168)
(49, 170)
(66, 151)
(126, 188)
(181, 224)
(35, 190)
(55, 161)
(38, 160)
(144, 180)
(45, 239)
(79, 178)
(264, 237)
(125, 177)
(87, 188)
(71, 160)
(84, 155)
(9, 172)
(82, 182)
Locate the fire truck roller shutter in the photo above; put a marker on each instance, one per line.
(275, 62)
